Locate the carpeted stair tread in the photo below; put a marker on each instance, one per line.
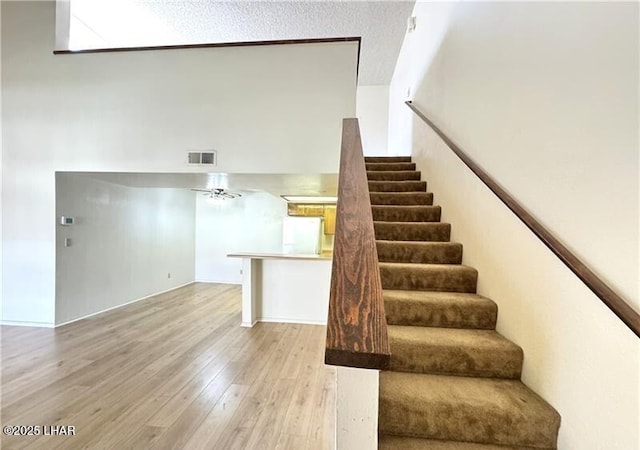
(412, 231)
(419, 252)
(393, 175)
(387, 442)
(481, 410)
(406, 213)
(453, 351)
(428, 277)
(390, 166)
(439, 309)
(401, 198)
(397, 186)
(387, 159)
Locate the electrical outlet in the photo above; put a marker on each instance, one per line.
(169, 275)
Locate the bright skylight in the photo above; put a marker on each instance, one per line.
(119, 23)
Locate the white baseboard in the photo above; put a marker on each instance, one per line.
(248, 324)
(238, 283)
(123, 304)
(26, 324)
(289, 320)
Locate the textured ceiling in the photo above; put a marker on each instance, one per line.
(381, 24)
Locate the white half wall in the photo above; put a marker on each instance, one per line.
(251, 223)
(267, 109)
(357, 408)
(544, 96)
(285, 288)
(295, 291)
(126, 243)
(372, 111)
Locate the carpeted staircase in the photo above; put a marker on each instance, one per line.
(454, 382)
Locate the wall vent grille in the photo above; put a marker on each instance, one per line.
(209, 158)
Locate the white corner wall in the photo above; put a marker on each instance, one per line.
(251, 223)
(126, 244)
(544, 96)
(268, 109)
(372, 111)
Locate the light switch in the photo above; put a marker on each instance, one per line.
(67, 242)
(411, 24)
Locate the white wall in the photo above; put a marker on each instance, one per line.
(372, 110)
(126, 243)
(269, 109)
(545, 97)
(251, 223)
(295, 290)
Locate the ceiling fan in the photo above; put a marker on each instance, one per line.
(218, 193)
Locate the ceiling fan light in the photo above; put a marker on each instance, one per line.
(215, 199)
(217, 195)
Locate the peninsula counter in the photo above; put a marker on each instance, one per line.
(289, 288)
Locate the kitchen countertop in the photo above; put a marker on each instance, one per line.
(323, 256)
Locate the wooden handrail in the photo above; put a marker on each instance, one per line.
(356, 326)
(610, 298)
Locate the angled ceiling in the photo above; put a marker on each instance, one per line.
(381, 24)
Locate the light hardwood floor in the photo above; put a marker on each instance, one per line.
(172, 371)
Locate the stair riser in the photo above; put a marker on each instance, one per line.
(393, 175)
(394, 231)
(376, 167)
(441, 359)
(387, 442)
(394, 198)
(436, 314)
(419, 252)
(467, 422)
(387, 159)
(406, 213)
(424, 278)
(397, 186)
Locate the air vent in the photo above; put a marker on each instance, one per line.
(208, 158)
